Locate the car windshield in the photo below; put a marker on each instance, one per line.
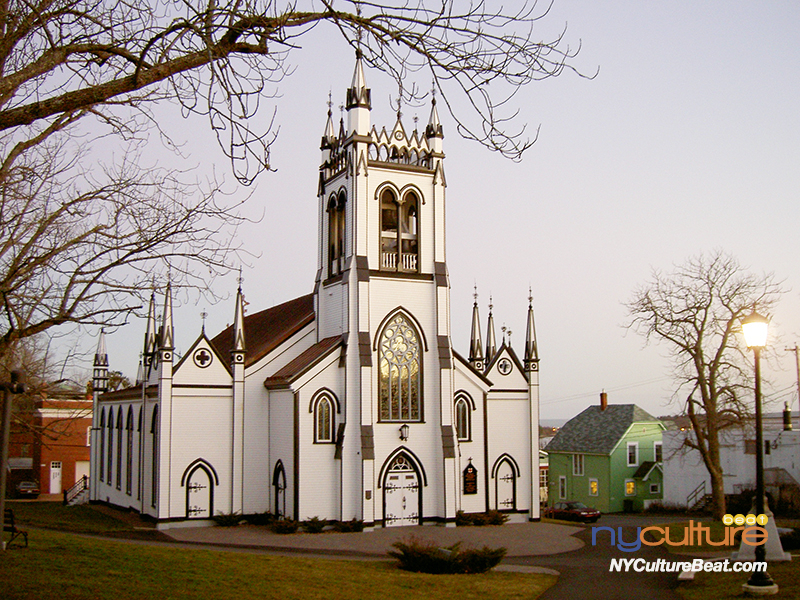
(577, 505)
(27, 484)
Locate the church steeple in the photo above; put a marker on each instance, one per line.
(475, 348)
(150, 334)
(167, 330)
(359, 101)
(491, 343)
(100, 374)
(531, 349)
(433, 130)
(238, 350)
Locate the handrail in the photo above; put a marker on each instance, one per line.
(80, 485)
(697, 494)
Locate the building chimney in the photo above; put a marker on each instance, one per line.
(787, 417)
(603, 400)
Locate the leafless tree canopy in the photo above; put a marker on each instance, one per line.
(80, 240)
(696, 311)
(61, 56)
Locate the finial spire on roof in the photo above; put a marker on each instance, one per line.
(531, 349)
(167, 330)
(475, 348)
(491, 344)
(434, 127)
(238, 319)
(358, 96)
(150, 331)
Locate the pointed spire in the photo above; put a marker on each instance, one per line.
(358, 96)
(491, 343)
(531, 349)
(100, 373)
(330, 133)
(475, 348)
(101, 354)
(140, 371)
(434, 127)
(167, 330)
(238, 320)
(150, 333)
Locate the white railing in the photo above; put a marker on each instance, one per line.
(389, 261)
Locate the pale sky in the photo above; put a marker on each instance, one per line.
(688, 140)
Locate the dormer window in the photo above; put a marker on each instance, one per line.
(399, 231)
(336, 239)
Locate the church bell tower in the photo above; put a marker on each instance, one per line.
(382, 284)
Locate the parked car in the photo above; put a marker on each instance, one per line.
(573, 511)
(27, 489)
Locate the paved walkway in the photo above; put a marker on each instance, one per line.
(532, 547)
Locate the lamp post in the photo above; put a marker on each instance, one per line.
(754, 328)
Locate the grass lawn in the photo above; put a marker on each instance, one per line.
(724, 586)
(66, 566)
(54, 515)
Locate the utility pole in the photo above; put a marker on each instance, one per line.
(796, 351)
(14, 386)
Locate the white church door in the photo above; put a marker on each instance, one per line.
(401, 494)
(199, 494)
(506, 486)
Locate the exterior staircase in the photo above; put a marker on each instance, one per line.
(699, 500)
(78, 493)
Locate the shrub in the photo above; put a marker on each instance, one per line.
(227, 519)
(426, 557)
(351, 526)
(791, 540)
(265, 518)
(314, 525)
(285, 526)
(492, 517)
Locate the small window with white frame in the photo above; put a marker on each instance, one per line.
(594, 487)
(577, 464)
(658, 454)
(562, 487)
(633, 454)
(655, 488)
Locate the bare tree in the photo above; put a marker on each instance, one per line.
(79, 240)
(697, 311)
(59, 57)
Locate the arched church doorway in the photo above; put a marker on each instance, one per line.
(199, 493)
(402, 497)
(505, 485)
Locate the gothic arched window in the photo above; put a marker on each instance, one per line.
(463, 422)
(110, 457)
(102, 449)
(336, 237)
(399, 385)
(129, 453)
(324, 408)
(119, 448)
(399, 231)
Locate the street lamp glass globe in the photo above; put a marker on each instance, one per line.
(755, 327)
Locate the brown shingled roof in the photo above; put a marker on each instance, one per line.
(266, 330)
(302, 363)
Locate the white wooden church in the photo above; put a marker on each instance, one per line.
(349, 402)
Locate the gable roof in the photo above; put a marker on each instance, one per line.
(596, 431)
(266, 330)
(294, 368)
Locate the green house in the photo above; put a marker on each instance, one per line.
(608, 457)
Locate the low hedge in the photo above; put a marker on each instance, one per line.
(427, 557)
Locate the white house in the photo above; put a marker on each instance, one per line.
(686, 479)
(349, 402)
